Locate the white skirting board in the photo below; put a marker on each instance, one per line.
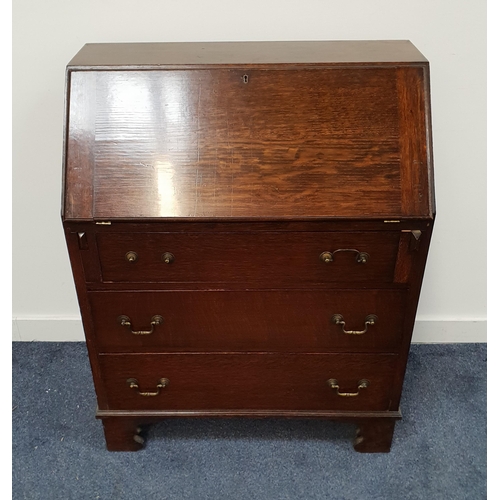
(51, 329)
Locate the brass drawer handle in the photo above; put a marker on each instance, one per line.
(168, 258)
(333, 383)
(361, 257)
(370, 320)
(155, 321)
(134, 384)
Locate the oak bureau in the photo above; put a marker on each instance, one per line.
(248, 225)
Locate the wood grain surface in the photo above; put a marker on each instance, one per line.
(258, 320)
(246, 161)
(320, 142)
(248, 381)
(255, 257)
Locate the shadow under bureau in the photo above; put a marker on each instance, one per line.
(248, 225)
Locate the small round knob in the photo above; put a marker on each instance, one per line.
(168, 258)
(326, 257)
(131, 256)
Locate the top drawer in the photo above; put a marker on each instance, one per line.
(265, 258)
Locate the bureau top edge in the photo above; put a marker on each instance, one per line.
(250, 224)
(192, 54)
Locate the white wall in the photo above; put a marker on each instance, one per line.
(450, 33)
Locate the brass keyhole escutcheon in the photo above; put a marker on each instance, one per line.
(131, 256)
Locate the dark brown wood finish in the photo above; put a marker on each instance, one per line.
(258, 320)
(124, 434)
(260, 257)
(205, 144)
(415, 284)
(203, 54)
(79, 278)
(413, 141)
(213, 143)
(248, 381)
(245, 162)
(80, 145)
(374, 435)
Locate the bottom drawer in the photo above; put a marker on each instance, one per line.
(248, 381)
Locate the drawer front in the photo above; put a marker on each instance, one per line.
(247, 381)
(297, 320)
(260, 257)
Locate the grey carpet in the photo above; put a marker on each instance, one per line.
(439, 448)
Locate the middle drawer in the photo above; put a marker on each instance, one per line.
(257, 320)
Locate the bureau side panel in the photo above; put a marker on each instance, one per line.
(414, 106)
(85, 310)
(79, 163)
(417, 252)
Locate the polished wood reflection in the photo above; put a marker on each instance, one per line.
(236, 214)
(205, 144)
